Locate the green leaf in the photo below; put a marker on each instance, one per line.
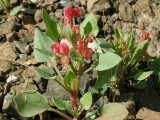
(86, 100)
(90, 115)
(61, 104)
(69, 78)
(155, 66)
(89, 25)
(138, 84)
(45, 73)
(73, 55)
(142, 75)
(45, 52)
(31, 103)
(130, 41)
(29, 11)
(113, 111)
(141, 48)
(15, 10)
(102, 43)
(53, 29)
(117, 34)
(108, 61)
(42, 42)
(68, 33)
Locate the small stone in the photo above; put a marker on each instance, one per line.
(127, 100)
(22, 33)
(126, 12)
(13, 2)
(59, 13)
(5, 67)
(147, 114)
(20, 45)
(12, 78)
(41, 25)
(3, 117)
(113, 18)
(38, 16)
(9, 107)
(1, 100)
(54, 90)
(7, 27)
(11, 36)
(8, 51)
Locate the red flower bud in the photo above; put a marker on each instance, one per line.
(90, 40)
(67, 20)
(64, 49)
(88, 53)
(76, 29)
(68, 12)
(64, 60)
(76, 12)
(56, 48)
(145, 36)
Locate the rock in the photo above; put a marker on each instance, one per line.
(41, 25)
(142, 7)
(148, 98)
(54, 90)
(1, 100)
(131, 1)
(147, 114)
(12, 78)
(11, 36)
(83, 2)
(59, 13)
(8, 51)
(38, 16)
(20, 45)
(126, 13)
(2, 86)
(90, 4)
(22, 33)
(65, 4)
(5, 67)
(7, 27)
(3, 117)
(10, 109)
(127, 100)
(113, 18)
(13, 2)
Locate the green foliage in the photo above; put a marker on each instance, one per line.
(86, 100)
(69, 78)
(15, 10)
(74, 56)
(141, 48)
(90, 116)
(42, 42)
(31, 103)
(113, 111)
(61, 104)
(53, 29)
(45, 73)
(155, 66)
(142, 75)
(108, 61)
(138, 84)
(117, 34)
(89, 25)
(29, 11)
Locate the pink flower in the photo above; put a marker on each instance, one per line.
(68, 12)
(64, 60)
(64, 49)
(88, 53)
(76, 12)
(66, 41)
(67, 20)
(56, 48)
(76, 29)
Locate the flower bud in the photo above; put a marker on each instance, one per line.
(56, 48)
(67, 20)
(76, 29)
(64, 49)
(88, 53)
(64, 60)
(76, 12)
(68, 12)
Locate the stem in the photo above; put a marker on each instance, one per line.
(77, 86)
(73, 99)
(73, 69)
(60, 113)
(58, 72)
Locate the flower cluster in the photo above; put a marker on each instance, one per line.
(82, 48)
(62, 49)
(145, 36)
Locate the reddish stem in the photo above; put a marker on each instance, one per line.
(73, 99)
